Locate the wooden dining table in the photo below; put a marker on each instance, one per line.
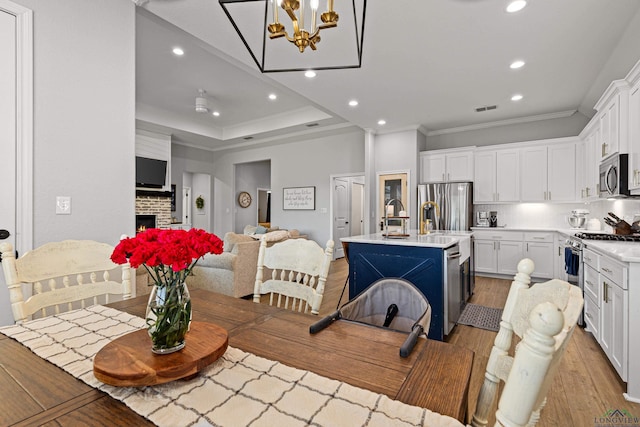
(435, 375)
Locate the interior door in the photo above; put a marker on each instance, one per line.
(7, 147)
(341, 208)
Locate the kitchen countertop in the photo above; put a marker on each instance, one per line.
(622, 251)
(435, 239)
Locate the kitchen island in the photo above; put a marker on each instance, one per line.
(432, 262)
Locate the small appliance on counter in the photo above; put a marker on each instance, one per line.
(578, 218)
(493, 219)
(482, 219)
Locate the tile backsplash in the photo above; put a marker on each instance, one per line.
(547, 215)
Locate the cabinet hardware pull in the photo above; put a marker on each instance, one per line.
(606, 269)
(443, 177)
(549, 195)
(589, 283)
(588, 315)
(558, 250)
(582, 193)
(606, 292)
(587, 189)
(539, 238)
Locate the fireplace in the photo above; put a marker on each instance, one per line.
(145, 221)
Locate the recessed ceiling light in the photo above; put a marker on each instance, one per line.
(310, 74)
(178, 51)
(516, 64)
(382, 122)
(353, 103)
(273, 96)
(516, 5)
(516, 97)
(216, 113)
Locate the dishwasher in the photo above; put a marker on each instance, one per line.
(452, 289)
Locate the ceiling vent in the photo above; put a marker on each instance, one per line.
(247, 138)
(310, 125)
(486, 108)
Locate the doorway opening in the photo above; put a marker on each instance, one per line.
(347, 209)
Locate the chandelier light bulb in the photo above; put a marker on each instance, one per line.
(301, 35)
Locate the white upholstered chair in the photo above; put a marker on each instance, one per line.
(299, 272)
(63, 273)
(544, 316)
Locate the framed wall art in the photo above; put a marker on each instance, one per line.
(299, 198)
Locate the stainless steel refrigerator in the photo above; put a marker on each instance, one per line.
(454, 201)
(454, 211)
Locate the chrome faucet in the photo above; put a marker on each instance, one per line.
(424, 222)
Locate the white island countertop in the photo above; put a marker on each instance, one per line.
(436, 239)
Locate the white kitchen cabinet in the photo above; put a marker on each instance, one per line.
(533, 174)
(586, 164)
(548, 173)
(485, 256)
(496, 176)
(607, 306)
(454, 165)
(634, 139)
(539, 247)
(613, 110)
(497, 252)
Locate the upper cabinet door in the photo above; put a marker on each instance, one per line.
(507, 175)
(460, 166)
(433, 168)
(561, 174)
(484, 177)
(533, 174)
(613, 111)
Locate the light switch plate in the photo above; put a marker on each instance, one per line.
(63, 205)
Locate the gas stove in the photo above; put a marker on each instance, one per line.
(610, 237)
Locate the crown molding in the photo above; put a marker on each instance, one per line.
(506, 122)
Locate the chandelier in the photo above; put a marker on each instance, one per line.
(302, 37)
(260, 23)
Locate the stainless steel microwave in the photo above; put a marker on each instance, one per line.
(613, 176)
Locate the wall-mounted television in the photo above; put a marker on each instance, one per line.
(150, 173)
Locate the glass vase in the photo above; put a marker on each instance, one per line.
(168, 317)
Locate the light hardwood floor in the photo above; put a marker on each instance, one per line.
(585, 388)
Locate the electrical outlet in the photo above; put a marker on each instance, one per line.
(63, 205)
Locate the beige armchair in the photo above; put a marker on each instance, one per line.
(232, 272)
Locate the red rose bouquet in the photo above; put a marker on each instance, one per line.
(168, 256)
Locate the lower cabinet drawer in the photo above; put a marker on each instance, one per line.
(591, 287)
(592, 317)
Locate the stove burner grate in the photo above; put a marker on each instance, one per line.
(611, 237)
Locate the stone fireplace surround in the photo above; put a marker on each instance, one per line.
(156, 203)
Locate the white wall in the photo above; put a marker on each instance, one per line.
(249, 177)
(201, 186)
(529, 131)
(191, 160)
(297, 164)
(398, 152)
(84, 109)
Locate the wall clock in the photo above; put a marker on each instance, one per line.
(244, 199)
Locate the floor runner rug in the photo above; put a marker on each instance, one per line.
(480, 316)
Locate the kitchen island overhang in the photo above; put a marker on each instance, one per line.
(424, 260)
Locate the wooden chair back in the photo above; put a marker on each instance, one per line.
(62, 273)
(543, 316)
(299, 272)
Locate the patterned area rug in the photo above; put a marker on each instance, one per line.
(480, 316)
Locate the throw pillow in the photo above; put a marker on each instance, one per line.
(276, 236)
(261, 230)
(250, 229)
